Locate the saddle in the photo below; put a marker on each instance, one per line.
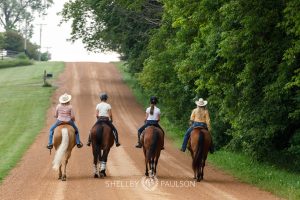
(200, 127)
(64, 123)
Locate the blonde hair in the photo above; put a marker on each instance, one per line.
(200, 111)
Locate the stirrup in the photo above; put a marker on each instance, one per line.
(138, 145)
(79, 145)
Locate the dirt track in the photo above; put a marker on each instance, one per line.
(33, 178)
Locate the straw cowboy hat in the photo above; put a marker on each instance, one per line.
(201, 102)
(65, 98)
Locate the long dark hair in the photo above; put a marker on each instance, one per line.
(153, 101)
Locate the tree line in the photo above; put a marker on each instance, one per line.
(243, 56)
(16, 22)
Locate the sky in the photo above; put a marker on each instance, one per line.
(54, 38)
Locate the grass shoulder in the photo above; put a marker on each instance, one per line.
(24, 103)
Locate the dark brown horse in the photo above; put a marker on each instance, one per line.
(152, 141)
(64, 142)
(199, 145)
(102, 140)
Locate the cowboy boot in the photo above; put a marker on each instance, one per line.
(116, 138)
(139, 144)
(89, 140)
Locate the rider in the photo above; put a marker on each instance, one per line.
(64, 113)
(152, 118)
(104, 114)
(199, 117)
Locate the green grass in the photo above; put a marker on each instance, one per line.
(278, 181)
(6, 63)
(24, 103)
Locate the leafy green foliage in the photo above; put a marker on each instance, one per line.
(123, 26)
(243, 56)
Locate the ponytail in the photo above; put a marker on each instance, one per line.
(152, 109)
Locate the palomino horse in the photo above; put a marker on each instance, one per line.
(102, 140)
(64, 141)
(152, 141)
(199, 145)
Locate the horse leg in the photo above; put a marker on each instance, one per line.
(146, 162)
(103, 163)
(96, 154)
(202, 170)
(152, 167)
(59, 173)
(199, 172)
(64, 176)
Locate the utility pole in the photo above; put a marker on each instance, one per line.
(25, 38)
(40, 51)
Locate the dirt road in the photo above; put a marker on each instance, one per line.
(33, 178)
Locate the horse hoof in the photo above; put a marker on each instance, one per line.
(64, 178)
(146, 174)
(96, 176)
(102, 175)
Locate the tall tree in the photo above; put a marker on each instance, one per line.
(122, 25)
(15, 12)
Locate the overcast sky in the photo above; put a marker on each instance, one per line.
(55, 37)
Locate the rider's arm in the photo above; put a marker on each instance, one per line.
(192, 118)
(207, 120)
(158, 117)
(110, 115)
(97, 114)
(146, 117)
(56, 112)
(72, 115)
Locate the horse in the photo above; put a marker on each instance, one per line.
(152, 141)
(199, 144)
(102, 140)
(64, 142)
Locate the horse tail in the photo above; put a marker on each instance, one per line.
(199, 153)
(61, 149)
(99, 134)
(153, 145)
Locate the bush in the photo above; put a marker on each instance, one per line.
(14, 63)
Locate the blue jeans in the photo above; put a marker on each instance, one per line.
(188, 133)
(148, 123)
(72, 123)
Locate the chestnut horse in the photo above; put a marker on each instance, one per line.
(152, 141)
(102, 140)
(199, 144)
(64, 141)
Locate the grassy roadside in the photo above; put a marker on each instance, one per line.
(280, 182)
(24, 103)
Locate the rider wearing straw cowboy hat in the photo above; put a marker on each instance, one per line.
(199, 117)
(64, 113)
